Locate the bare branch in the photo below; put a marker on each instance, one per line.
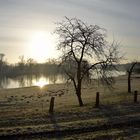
(78, 43)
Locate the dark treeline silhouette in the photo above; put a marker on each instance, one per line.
(126, 66)
(50, 67)
(28, 67)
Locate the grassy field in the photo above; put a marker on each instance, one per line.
(24, 112)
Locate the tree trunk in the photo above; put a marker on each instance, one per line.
(129, 76)
(79, 83)
(78, 93)
(80, 100)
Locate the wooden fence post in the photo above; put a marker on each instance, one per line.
(97, 99)
(51, 108)
(135, 96)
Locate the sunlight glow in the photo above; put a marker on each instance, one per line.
(41, 46)
(41, 83)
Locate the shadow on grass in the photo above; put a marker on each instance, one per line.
(56, 126)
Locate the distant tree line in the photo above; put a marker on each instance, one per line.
(28, 67)
(51, 66)
(136, 69)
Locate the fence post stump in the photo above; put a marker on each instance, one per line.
(51, 108)
(97, 99)
(135, 96)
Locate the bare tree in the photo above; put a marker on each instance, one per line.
(129, 72)
(30, 62)
(21, 62)
(84, 49)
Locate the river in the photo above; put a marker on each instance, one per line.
(31, 80)
(37, 80)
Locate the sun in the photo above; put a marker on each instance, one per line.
(41, 45)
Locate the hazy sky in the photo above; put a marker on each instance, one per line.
(20, 20)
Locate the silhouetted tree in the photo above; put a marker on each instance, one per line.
(30, 65)
(129, 72)
(31, 62)
(21, 62)
(80, 43)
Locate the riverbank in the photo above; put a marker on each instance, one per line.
(24, 112)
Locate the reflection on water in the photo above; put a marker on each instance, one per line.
(39, 80)
(31, 80)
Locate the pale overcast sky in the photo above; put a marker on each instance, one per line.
(20, 19)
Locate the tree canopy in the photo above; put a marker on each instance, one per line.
(79, 43)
